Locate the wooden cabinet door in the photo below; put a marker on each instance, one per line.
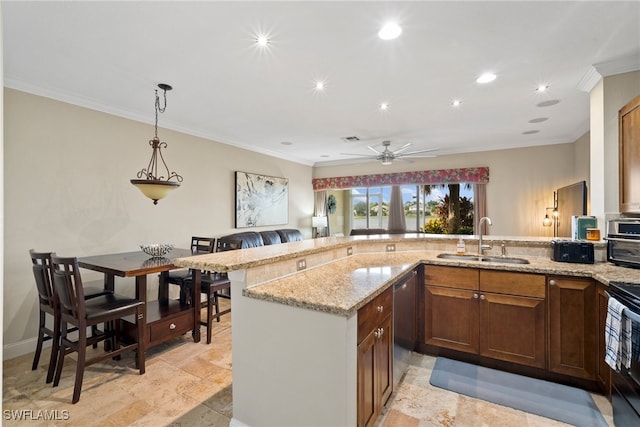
(451, 318)
(367, 407)
(512, 328)
(384, 361)
(603, 371)
(629, 156)
(572, 326)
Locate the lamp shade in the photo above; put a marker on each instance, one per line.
(319, 221)
(155, 189)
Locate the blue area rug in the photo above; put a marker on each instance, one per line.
(556, 401)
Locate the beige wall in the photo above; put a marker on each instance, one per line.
(67, 172)
(522, 181)
(606, 99)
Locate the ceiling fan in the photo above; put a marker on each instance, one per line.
(387, 156)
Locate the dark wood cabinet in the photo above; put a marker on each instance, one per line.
(512, 317)
(375, 357)
(572, 326)
(629, 156)
(603, 371)
(451, 308)
(496, 314)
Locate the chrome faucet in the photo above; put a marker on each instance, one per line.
(482, 247)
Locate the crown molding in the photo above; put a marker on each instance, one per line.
(608, 68)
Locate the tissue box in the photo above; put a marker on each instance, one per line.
(579, 225)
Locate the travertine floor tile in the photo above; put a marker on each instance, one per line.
(189, 384)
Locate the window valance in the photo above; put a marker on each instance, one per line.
(478, 175)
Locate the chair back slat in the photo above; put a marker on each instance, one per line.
(42, 274)
(68, 286)
(202, 245)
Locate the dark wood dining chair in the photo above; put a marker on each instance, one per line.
(199, 245)
(48, 305)
(76, 311)
(215, 286)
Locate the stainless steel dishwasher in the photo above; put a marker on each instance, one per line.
(404, 323)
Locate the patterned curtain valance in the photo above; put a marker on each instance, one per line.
(443, 176)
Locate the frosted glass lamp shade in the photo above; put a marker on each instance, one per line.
(319, 221)
(155, 189)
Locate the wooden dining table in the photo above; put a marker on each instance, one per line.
(166, 318)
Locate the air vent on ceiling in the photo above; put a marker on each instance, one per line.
(350, 138)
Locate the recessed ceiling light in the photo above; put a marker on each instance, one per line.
(530, 132)
(548, 103)
(390, 31)
(262, 40)
(324, 155)
(319, 85)
(456, 103)
(286, 143)
(486, 78)
(542, 88)
(539, 120)
(384, 106)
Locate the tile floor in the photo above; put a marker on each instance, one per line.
(189, 384)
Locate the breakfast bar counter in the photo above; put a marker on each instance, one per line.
(295, 307)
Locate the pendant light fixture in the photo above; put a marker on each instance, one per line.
(151, 184)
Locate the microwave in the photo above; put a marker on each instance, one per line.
(623, 242)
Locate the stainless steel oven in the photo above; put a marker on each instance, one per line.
(623, 242)
(625, 384)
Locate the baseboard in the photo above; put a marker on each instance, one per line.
(236, 423)
(21, 348)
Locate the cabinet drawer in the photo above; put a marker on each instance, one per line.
(451, 277)
(506, 282)
(370, 316)
(172, 326)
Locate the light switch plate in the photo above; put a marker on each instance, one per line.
(302, 264)
(391, 248)
(349, 250)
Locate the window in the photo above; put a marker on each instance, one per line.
(426, 208)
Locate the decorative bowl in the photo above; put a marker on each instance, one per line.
(157, 249)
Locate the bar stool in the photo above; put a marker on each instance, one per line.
(49, 305)
(75, 310)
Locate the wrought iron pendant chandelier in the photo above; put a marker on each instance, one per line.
(153, 185)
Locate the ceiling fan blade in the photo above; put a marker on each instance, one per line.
(401, 149)
(374, 150)
(361, 155)
(411, 153)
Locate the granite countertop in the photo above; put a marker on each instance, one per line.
(342, 287)
(253, 257)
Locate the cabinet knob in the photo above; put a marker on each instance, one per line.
(482, 297)
(380, 308)
(172, 326)
(552, 282)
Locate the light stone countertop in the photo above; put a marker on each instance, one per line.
(253, 257)
(342, 286)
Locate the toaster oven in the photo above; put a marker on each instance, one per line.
(623, 242)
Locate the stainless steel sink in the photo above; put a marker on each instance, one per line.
(459, 257)
(505, 260)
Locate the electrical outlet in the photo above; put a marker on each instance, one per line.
(391, 248)
(302, 264)
(349, 250)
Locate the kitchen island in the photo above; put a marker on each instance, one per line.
(295, 314)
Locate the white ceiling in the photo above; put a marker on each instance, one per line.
(110, 56)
